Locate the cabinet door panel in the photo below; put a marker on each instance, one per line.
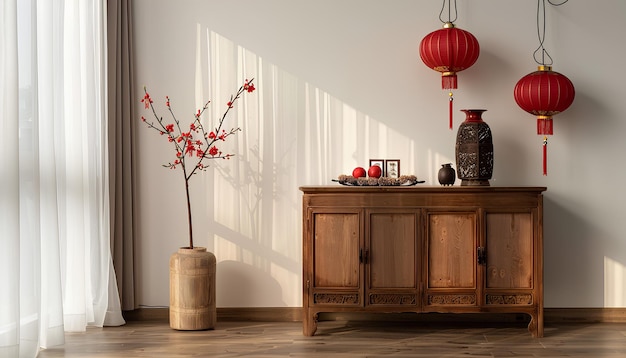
(392, 250)
(509, 250)
(336, 250)
(451, 250)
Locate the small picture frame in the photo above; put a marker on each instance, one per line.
(380, 163)
(392, 168)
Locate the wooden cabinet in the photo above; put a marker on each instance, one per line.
(423, 249)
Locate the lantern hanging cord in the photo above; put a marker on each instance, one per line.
(450, 19)
(541, 32)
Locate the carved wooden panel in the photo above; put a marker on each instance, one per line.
(451, 299)
(336, 250)
(336, 298)
(509, 299)
(392, 299)
(509, 250)
(451, 250)
(392, 255)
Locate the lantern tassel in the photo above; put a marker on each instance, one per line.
(545, 155)
(450, 109)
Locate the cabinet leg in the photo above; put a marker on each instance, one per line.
(309, 324)
(535, 327)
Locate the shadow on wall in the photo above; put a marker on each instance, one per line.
(239, 284)
(567, 278)
(594, 261)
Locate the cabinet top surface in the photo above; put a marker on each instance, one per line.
(421, 189)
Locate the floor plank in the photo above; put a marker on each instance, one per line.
(346, 339)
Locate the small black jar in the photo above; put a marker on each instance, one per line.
(446, 175)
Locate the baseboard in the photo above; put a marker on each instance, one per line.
(262, 314)
(294, 314)
(585, 315)
(267, 314)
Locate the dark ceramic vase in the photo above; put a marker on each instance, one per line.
(446, 175)
(474, 149)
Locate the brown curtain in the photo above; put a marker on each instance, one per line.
(121, 142)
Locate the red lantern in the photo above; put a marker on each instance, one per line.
(544, 93)
(449, 50)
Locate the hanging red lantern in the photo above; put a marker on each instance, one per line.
(544, 93)
(449, 50)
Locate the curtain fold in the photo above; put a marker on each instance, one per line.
(55, 262)
(9, 182)
(121, 145)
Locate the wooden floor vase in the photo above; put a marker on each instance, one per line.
(192, 289)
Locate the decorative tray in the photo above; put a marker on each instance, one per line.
(406, 180)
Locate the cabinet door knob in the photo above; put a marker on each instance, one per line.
(363, 256)
(481, 255)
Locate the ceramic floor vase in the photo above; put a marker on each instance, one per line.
(192, 289)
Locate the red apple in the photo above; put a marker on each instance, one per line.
(374, 171)
(359, 172)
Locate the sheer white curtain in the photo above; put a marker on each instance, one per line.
(56, 272)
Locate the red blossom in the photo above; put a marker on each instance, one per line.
(213, 151)
(167, 101)
(147, 100)
(248, 86)
(230, 104)
(169, 128)
(212, 135)
(199, 153)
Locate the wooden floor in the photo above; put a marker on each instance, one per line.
(346, 339)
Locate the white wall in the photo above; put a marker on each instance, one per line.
(363, 53)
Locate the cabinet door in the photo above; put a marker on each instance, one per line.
(451, 258)
(392, 268)
(509, 245)
(336, 267)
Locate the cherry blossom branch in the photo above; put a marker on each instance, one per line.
(188, 144)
